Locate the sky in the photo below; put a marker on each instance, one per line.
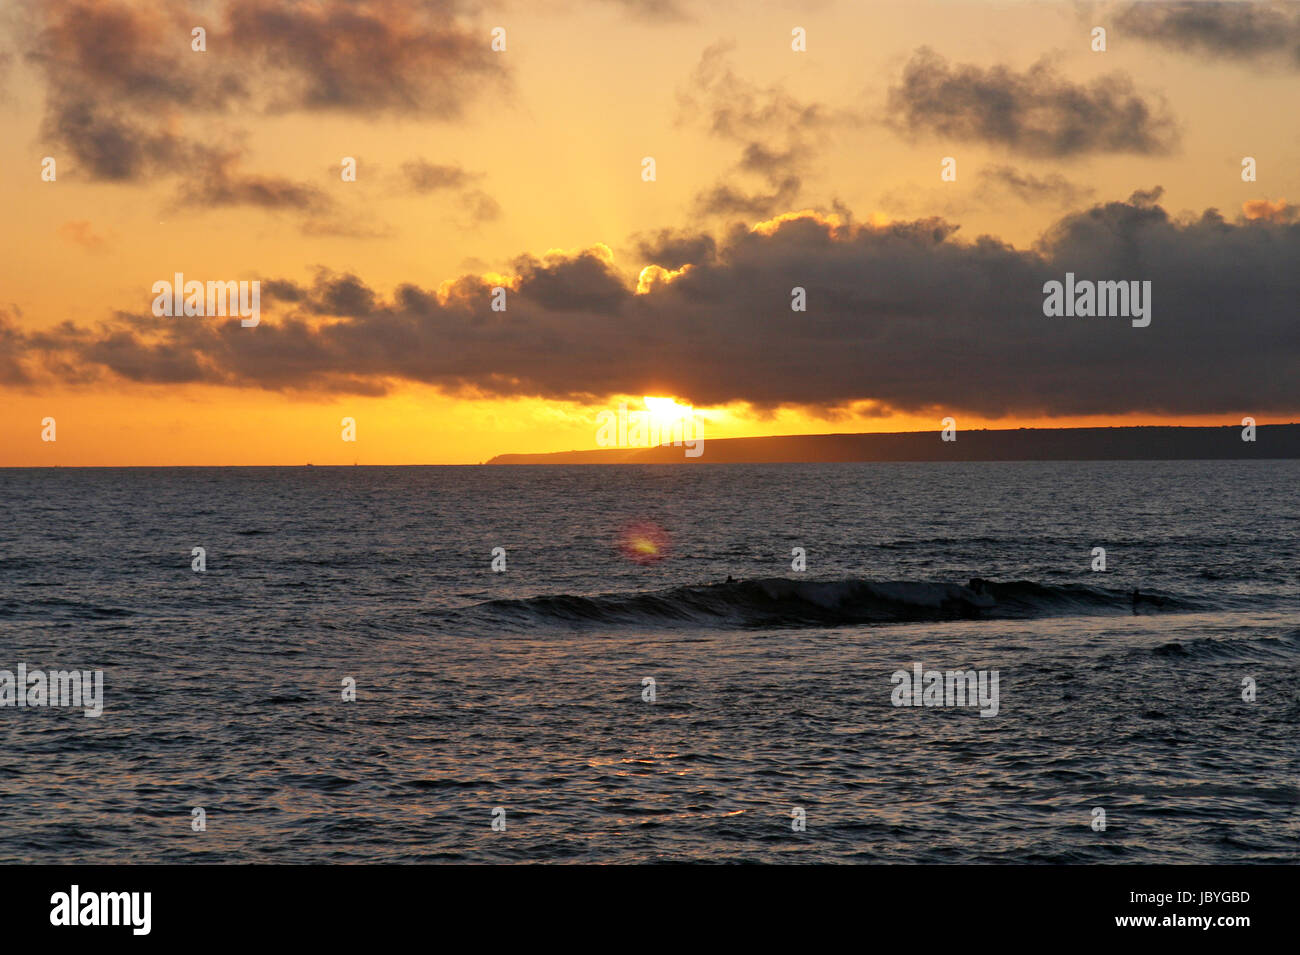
(524, 169)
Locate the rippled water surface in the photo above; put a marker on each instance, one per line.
(523, 689)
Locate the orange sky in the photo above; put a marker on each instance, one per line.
(544, 154)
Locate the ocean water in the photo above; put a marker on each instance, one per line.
(523, 690)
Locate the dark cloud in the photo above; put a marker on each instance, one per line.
(778, 135)
(280, 290)
(105, 144)
(726, 200)
(583, 283)
(123, 85)
(119, 76)
(220, 182)
(905, 316)
(421, 176)
(1038, 112)
(390, 56)
(672, 249)
(129, 52)
(480, 207)
(14, 351)
(1052, 188)
(340, 295)
(159, 362)
(1248, 31)
(654, 11)
(739, 109)
(760, 158)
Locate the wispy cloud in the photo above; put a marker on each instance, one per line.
(1035, 113)
(1256, 33)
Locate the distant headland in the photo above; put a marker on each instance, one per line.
(1156, 443)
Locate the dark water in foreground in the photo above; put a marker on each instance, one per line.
(523, 689)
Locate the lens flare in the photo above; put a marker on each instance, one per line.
(643, 542)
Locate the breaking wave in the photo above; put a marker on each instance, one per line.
(779, 601)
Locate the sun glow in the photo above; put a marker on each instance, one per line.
(643, 542)
(653, 275)
(666, 412)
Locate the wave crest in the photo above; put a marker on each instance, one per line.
(781, 601)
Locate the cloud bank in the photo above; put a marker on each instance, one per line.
(905, 316)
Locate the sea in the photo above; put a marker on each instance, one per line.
(655, 664)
